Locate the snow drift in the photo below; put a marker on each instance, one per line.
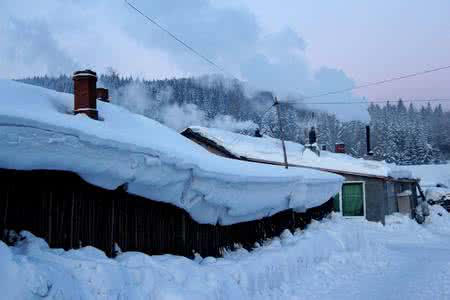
(31, 269)
(318, 263)
(39, 131)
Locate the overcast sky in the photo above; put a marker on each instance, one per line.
(288, 46)
(371, 40)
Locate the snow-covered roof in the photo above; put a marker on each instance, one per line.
(39, 131)
(269, 149)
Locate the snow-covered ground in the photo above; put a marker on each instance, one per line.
(333, 259)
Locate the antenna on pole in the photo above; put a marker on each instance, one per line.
(277, 105)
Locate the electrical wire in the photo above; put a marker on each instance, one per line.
(235, 140)
(179, 40)
(190, 48)
(267, 110)
(340, 103)
(377, 83)
(369, 101)
(223, 70)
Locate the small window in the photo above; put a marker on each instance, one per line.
(353, 199)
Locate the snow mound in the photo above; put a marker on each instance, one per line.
(437, 193)
(39, 131)
(34, 270)
(329, 260)
(268, 149)
(437, 223)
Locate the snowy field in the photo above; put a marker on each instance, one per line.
(333, 259)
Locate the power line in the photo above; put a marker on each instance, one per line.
(197, 53)
(377, 82)
(267, 110)
(261, 116)
(369, 101)
(342, 103)
(223, 70)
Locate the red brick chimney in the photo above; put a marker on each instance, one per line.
(339, 148)
(103, 94)
(85, 93)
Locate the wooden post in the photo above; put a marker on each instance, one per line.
(50, 219)
(112, 228)
(5, 215)
(71, 220)
(277, 105)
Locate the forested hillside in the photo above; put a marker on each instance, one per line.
(401, 134)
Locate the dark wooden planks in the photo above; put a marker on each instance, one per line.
(69, 213)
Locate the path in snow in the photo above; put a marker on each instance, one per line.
(412, 273)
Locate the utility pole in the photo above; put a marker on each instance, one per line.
(277, 105)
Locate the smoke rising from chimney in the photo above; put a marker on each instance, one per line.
(232, 37)
(135, 98)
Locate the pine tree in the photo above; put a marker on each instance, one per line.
(399, 134)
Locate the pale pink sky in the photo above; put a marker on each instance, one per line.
(371, 40)
(276, 45)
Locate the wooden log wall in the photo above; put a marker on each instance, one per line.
(70, 213)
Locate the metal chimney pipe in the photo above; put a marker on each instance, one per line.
(312, 136)
(369, 149)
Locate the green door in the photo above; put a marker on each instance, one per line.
(353, 199)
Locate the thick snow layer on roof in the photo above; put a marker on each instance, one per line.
(269, 149)
(431, 175)
(39, 131)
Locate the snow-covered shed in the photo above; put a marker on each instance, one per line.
(372, 189)
(96, 169)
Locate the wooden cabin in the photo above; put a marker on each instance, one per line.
(81, 172)
(70, 213)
